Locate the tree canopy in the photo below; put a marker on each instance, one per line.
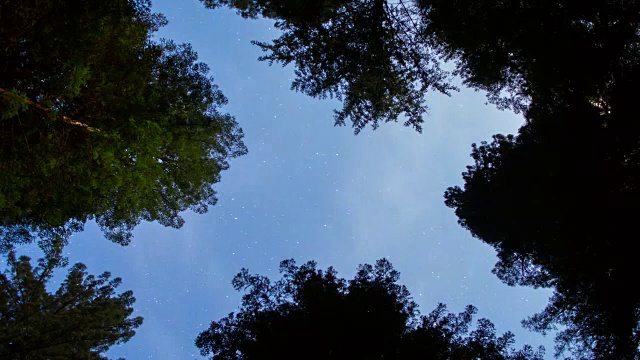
(82, 319)
(314, 314)
(543, 51)
(382, 57)
(558, 203)
(98, 121)
(368, 54)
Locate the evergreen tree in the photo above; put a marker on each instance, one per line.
(381, 57)
(542, 51)
(82, 319)
(98, 121)
(314, 314)
(369, 54)
(558, 202)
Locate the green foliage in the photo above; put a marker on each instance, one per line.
(368, 54)
(80, 320)
(104, 123)
(314, 314)
(11, 104)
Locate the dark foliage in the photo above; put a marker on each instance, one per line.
(82, 319)
(543, 51)
(381, 57)
(369, 54)
(559, 203)
(314, 314)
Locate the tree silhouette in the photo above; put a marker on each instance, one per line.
(558, 203)
(97, 121)
(314, 314)
(381, 57)
(80, 320)
(367, 54)
(543, 51)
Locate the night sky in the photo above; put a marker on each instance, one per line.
(310, 191)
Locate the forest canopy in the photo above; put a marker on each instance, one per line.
(314, 314)
(381, 58)
(558, 202)
(99, 121)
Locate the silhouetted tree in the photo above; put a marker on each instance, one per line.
(97, 121)
(380, 57)
(314, 314)
(559, 204)
(80, 320)
(366, 53)
(522, 51)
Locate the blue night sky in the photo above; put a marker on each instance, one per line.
(309, 191)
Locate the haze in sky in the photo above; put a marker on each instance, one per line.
(309, 191)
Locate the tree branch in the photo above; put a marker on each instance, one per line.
(42, 108)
